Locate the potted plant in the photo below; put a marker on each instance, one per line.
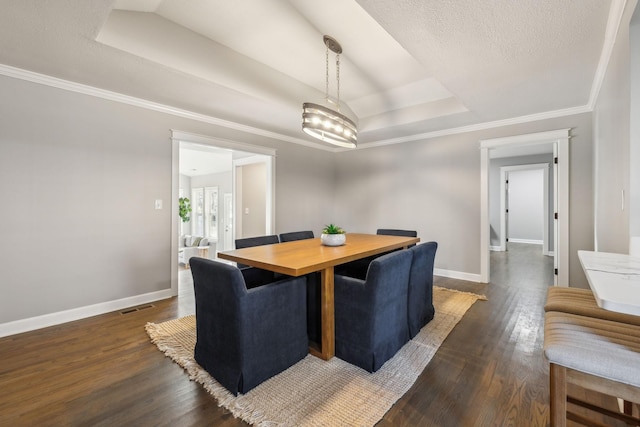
(332, 235)
(184, 208)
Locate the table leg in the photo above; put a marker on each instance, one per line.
(327, 319)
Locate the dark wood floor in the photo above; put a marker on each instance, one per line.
(103, 371)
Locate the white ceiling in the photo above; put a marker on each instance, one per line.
(409, 67)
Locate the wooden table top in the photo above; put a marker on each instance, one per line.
(301, 257)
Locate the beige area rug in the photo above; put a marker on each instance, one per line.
(314, 392)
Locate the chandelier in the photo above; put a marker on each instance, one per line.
(324, 123)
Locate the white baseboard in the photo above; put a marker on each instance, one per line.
(51, 319)
(457, 275)
(495, 248)
(551, 253)
(531, 242)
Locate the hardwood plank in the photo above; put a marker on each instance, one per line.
(103, 371)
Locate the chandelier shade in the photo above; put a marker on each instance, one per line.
(324, 123)
(328, 125)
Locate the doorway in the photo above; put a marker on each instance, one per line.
(526, 203)
(209, 167)
(559, 139)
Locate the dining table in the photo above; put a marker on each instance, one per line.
(301, 257)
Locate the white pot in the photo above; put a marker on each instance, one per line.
(333, 239)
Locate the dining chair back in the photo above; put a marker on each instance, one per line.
(420, 308)
(248, 242)
(245, 336)
(296, 235)
(371, 314)
(358, 268)
(313, 288)
(397, 232)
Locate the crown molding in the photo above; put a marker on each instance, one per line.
(616, 13)
(480, 126)
(43, 79)
(18, 73)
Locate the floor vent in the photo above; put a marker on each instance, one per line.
(134, 309)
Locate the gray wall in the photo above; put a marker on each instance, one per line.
(79, 177)
(634, 151)
(79, 185)
(305, 185)
(433, 186)
(252, 209)
(494, 191)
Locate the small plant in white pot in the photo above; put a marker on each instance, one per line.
(332, 235)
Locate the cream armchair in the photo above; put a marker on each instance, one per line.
(191, 246)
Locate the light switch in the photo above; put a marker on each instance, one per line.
(246, 211)
(158, 203)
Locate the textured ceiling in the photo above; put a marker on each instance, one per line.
(409, 67)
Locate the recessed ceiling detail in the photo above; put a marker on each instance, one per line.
(409, 67)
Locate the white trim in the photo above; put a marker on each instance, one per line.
(175, 223)
(496, 249)
(51, 319)
(545, 203)
(55, 82)
(477, 127)
(616, 12)
(457, 275)
(560, 139)
(527, 241)
(221, 143)
(526, 139)
(485, 224)
(562, 223)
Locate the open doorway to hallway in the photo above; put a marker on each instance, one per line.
(521, 208)
(556, 142)
(229, 187)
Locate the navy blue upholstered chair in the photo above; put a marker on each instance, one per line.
(420, 299)
(397, 232)
(246, 336)
(313, 289)
(358, 268)
(257, 276)
(371, 315)
(255, 241)
(296, 235)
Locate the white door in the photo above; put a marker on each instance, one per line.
(228, 222)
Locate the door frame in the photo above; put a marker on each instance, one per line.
(177, 137)
(545, 203)
(560, 140)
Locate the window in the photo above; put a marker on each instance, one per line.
(204, 217)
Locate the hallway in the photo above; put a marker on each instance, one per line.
(521, 265)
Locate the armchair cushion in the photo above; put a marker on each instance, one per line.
(371, 315)
(245, 336)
